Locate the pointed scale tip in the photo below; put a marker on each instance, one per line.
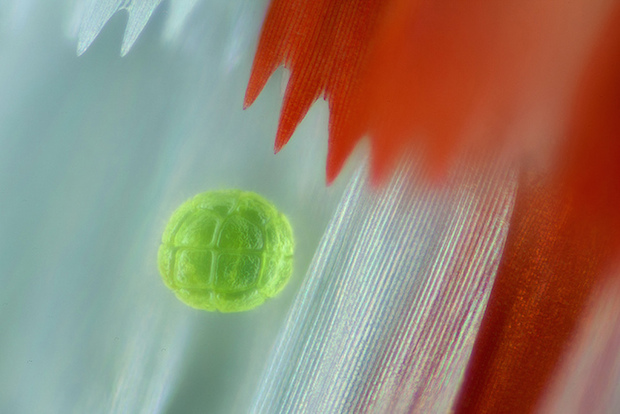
(332, 168)
(260, 74)
(250, 96)
(282, 138)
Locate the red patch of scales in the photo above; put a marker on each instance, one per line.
(404, 72)
(413, 73)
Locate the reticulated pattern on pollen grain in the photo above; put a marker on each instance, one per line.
(227, 251)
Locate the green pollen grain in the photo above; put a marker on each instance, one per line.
(226, 251)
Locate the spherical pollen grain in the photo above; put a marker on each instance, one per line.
(226, 251)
